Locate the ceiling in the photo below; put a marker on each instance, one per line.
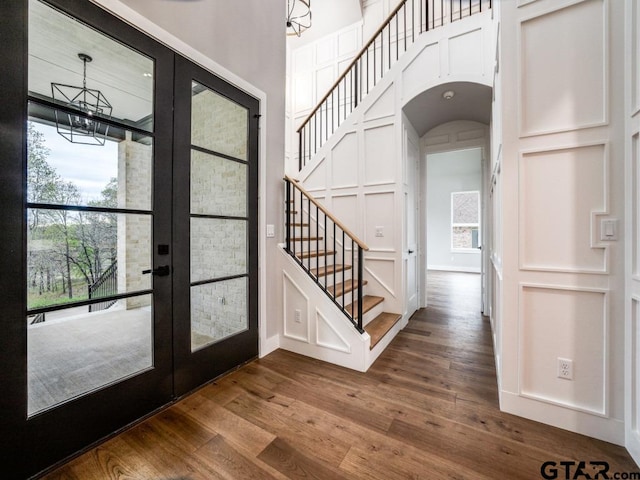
(328, 16)
(124, 76)
(429, 109)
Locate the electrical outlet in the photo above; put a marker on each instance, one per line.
(298, 316)
(221, 301)
(565, 368)
(379, 231)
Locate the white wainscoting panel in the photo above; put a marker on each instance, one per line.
(347, 208)
(316, 179)
(635, 366)
(575, 95)
(327, 336)
(295, 299)
(570, 323)
(344, 162)
(383, 107)
(561, 193)
(379, 213)
(383, 272)
(380, 154)
(635, 206)
(465, 54)
(424, 69)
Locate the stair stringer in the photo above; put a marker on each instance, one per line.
(346, 346)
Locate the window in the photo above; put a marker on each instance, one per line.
(465, 220)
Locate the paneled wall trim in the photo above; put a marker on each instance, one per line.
(295, 297)
(559, 218)
(576, 96)
(550, 316)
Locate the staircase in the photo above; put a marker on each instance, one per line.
(333, 257)
(330, 255)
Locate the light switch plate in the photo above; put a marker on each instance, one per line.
(609, 229)
(271, 231)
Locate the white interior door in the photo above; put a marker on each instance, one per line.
(410, 254)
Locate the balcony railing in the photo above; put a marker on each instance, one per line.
(409, 19)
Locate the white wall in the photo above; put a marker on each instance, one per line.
(632, 237)
(244, 43)
(448, 172)
(561, 168)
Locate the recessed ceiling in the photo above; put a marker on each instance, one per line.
(472, 101)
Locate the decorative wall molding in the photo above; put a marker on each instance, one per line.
(571, 99)
(327, 336)
(537, 317)
(550, 233)
(289, 323)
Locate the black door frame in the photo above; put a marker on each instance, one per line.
(194, 368)
(28, 446)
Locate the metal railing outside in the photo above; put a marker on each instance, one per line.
(105, 286)
(409, 19)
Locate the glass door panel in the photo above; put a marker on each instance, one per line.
(96, 328)
(218, 233)
(216, 227)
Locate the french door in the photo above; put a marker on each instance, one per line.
(215, 226)
(129, 234)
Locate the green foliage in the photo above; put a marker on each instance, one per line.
(66, 249)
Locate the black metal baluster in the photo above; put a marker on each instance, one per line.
(404, 14)
(288, 213)
(360, 295)
(326, 249)
(352, 273)
(334, 261)
(397, 39)
(317, 237)
(413, 22)
(343, 289)
(375, 70)
(355, 83)
(382, 54)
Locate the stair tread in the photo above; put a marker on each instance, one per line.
(344, 287)
(379, 326)
(368, 302)
(297, 239)
(314, 253)
(329, 270)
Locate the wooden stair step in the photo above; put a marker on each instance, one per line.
(304, 239)
(329, 270)
(314, 253)
(298, 224)
(379, 326)
(344, 287)
(368, 302)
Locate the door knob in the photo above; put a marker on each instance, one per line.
(410, 252)
(161, 271)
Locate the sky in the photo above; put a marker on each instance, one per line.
(89, 167)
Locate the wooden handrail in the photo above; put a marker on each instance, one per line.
(357, 58)
(329, 215)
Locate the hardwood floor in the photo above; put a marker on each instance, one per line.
(427, 409)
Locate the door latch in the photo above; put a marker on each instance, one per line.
(161, 271)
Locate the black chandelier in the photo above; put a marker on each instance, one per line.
(81, 127)
(298, 16)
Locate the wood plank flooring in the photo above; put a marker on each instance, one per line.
(427, 409)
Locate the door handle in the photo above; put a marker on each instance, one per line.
(161, 271)
(409, 252)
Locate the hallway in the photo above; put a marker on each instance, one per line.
(427, 409)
